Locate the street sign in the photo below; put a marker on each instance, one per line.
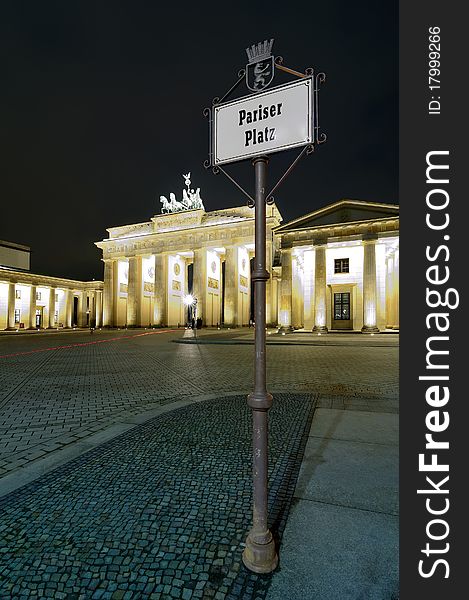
(277, 119)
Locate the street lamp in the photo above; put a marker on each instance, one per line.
(190, 300)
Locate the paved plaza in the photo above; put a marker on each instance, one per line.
(125, 465)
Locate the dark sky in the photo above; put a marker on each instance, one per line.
(101, 112)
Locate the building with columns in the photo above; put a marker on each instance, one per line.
(30, 301)
(336, 268)
(340, 268)
(150, 267)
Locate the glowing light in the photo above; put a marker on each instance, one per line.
(189, 300)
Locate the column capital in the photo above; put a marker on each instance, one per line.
(320, 241)
(369, 238)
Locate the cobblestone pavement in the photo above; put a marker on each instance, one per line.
(57, 389)
(162, 511)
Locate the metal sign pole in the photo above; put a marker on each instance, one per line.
(252, 127)
(260, 555)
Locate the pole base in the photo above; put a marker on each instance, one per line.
(260, 558)
(370, 329)
(320, 329)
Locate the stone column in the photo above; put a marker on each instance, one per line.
(396, 289)
(274, 298)
(32, 307)
(369, 285)
(52, 323)
(68, 308)
(81, 317)
(92, 309)
(160, 307)
(231, 286)
(11, 306)
(268, 286)
(134, 292)
(99, 308)
(389, 291)
(115, 293)
(320, 299)
(200, 281)
(285, 308)
(308, 290)
(108, 294)
(392, 291)
(297, 293)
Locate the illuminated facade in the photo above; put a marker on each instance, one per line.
(340, 268)
(150, 267)
(336, 268)
(29, 301)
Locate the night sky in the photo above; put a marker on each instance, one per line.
(101, 112)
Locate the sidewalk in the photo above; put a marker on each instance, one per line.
(341, 538)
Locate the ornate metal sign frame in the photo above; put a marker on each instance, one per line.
(319, 137)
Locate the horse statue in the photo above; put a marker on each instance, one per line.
(196, 200)
(176, 206)
(166, 206)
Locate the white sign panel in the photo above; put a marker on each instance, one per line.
(274, 120)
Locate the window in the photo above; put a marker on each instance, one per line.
(38, 295)
(341, 265)
(56, 297)
(17, 315)
(18, 295)
(342, 306)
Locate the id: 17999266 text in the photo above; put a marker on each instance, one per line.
(434, 71)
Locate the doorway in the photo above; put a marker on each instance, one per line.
(342, 311)
(39, 317)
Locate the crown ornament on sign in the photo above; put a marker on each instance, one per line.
(260, 51)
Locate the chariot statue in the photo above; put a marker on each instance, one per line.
(191, 199)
